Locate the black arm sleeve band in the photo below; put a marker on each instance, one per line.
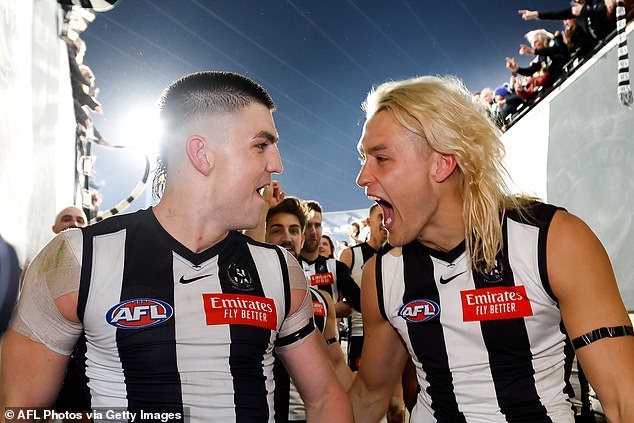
(331, 340)
(597, 334)
(296, 336)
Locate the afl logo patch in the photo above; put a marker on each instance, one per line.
(419, 311)
(139, 313)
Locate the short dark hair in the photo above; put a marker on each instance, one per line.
(202, 93)
(291, 205)
(372, 207)
(312, 205)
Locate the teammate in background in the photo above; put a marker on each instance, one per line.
(285, 224)
(479, 281)
(329, 275)
(355, 258)
(181, 312)
(70, 217)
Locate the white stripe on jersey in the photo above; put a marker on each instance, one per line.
(356, 319)
(266, 260)
(106, 380)
(204, 381)
(547, 347)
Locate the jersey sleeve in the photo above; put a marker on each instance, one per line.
(348, 287)
(54, 272)
(300, 322)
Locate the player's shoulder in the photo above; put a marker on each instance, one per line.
(533, 212)
(121, 221)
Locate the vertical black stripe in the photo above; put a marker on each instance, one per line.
(510, 358)
(547, 213)
(367, 251)
(427, 338)
(379, 284)
(352, 251)
(248, 343)
(148, 355)
(86, 272)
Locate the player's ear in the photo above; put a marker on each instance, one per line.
(198, 153)
(443, 167)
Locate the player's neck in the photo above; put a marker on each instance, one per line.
(195, 232)
(442, 239)
(309, 256)
(374, 242)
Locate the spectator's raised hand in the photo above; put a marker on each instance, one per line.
(528, 14)
(511, 64)
(576, 9)
(526, 50)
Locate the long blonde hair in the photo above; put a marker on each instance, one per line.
(440, 110)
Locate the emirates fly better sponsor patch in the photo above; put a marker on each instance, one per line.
(237, 309)
(499, 303)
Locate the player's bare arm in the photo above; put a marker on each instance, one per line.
(34, 356)
(324, 398)
(383, 363)
(582, 279)
(344, 375)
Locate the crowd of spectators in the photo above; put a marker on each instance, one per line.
(82, 79)
(586, 25)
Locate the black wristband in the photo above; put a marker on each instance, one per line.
(595, 335)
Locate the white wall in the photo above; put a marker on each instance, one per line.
(37, 141)
(576, 149)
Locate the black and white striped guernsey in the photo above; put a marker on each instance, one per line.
(332, 276)
(360, 254)
(169, 329)
(487, 348)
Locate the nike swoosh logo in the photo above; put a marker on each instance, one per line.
(186, 281)
(449, 279)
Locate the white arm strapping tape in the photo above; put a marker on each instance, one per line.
(54, 272)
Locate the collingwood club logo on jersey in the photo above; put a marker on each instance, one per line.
(240, 278)
(139, 313)
(495, 275)
(419, 311)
